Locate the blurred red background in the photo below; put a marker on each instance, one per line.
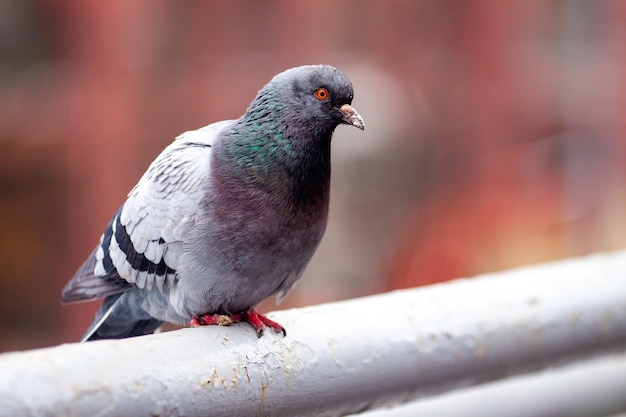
(496, 132)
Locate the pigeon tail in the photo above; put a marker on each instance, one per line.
(117, 320)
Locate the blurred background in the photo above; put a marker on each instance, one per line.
(496, 132)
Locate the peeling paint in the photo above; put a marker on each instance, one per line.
(259, 411)
(444, 337)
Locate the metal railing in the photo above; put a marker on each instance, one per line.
(338, 358)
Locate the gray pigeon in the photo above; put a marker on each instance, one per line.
(226, 216)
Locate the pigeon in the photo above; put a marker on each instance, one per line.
(225, 217)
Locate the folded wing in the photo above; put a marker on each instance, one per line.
(143, 242)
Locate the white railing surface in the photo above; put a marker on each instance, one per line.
(338, 358)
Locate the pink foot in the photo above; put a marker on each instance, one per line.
(256, 320)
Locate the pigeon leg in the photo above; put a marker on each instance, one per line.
(256, 320)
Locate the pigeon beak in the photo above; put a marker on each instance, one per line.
(350, 116)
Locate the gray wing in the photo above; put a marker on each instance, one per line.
(143, 242)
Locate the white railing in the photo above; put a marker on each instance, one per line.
(338, 358)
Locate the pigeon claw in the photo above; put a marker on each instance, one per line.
(258, 321)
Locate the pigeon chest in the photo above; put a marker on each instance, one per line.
(244, 253)
(263, 227)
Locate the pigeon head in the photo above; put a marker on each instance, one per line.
(305, 103)
(317, 97)
(285, 134)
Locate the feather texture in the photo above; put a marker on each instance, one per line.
(144, 241)
(226, 216)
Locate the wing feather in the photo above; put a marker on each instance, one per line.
(145, 238)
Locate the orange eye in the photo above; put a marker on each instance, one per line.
(321, 94)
